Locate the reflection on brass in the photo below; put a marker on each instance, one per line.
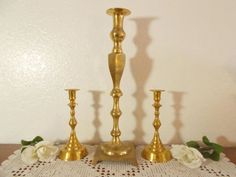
(156, 152)
(116, 154)
(116, 150)
(73, 150)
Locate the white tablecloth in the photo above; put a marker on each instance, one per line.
(14, 167)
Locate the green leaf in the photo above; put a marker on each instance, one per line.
(208, 148)
(218, 148)
(37, 139)
(206, 141)
(32, 142)
(25, 143)
(215, 156)
(206, 154)
(193, 144)
(211, 150)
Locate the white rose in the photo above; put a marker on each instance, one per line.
(187, 156)
(29, 155)
(46, 151)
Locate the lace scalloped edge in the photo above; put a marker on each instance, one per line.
(12, 156)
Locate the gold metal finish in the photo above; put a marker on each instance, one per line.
(156, 152)
(116, 150)
(73, 150)
(116, 153)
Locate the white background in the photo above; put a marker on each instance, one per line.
(186, 47)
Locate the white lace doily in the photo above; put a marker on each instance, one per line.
(14, 167)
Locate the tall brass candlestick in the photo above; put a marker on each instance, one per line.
(116, 150)
(73, 150)
(156, 152)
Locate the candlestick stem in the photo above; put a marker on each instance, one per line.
(155, 151)
(73, 150)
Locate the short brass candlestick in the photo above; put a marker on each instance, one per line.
(73, 150)
(116, 150)
(156, 152)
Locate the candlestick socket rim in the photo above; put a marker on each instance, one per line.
(123, 11)
(157, 90)
(72, 89)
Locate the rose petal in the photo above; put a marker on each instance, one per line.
(46, 151)
(29, 155)
(187, 156)
(42, 143)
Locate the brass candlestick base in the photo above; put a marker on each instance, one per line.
(156, 152)
(110, 152)
(116, 150)
(73, 150)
